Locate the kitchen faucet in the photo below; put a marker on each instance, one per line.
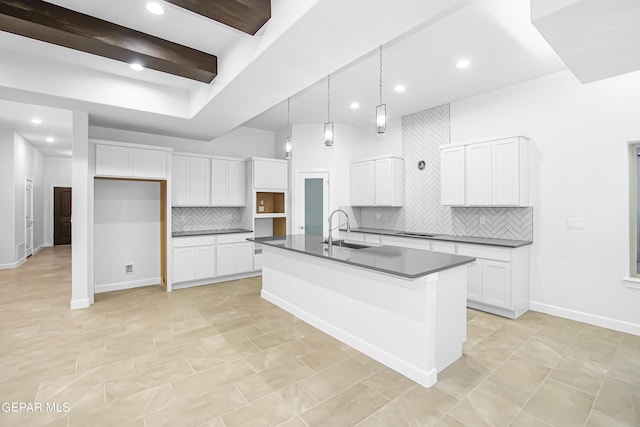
(330, 239)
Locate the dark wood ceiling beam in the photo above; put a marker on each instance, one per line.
(245, 15)
(64, 27)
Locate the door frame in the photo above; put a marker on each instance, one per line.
(28, 194)
(298, 208)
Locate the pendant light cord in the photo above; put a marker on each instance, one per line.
(329, 98)
(289, 117)
(381, 74)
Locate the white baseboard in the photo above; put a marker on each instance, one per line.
(13, 265)
(212, 281)
(38, 249)
(592, 319)
(80, 303)
(110, 287)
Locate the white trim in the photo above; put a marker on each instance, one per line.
(632, 282)
(130, 145)
(109, 287)
(215, 280)
(80, 303)
(13, 265)
(422, 377)
(592, 319)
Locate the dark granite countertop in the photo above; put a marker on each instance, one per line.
(507, 243)
(209, 232)
(403, 262)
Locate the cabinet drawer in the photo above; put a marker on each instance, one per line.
(233, 238)
(485, 252)
(189, 241)
(372, 238)
(446, 247)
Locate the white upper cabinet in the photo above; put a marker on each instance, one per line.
(191, 181)
(130, 162)
(227, 182)
(362, 184)
(270, 174)
(377, 182)
(491, 173)
(452, 181)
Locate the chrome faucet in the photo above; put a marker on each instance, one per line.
(330, 239)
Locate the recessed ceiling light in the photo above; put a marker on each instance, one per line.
(155, 8)
(50, 139)
(462, 63)
(137, 67)
(354, 105)
(400, 88)
(36, 121)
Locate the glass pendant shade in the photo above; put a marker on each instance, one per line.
(287, 148)
(381, 118)
(328, 134)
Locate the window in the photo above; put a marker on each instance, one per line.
(634, 210)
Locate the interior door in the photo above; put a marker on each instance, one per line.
(28, 208)
(312, 206)
(61, 215)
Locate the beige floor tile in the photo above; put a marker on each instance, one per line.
(619, 400)
(418, 407)
(583, 374)
(168, 340)
(547, 353)
(625, 366)
(203, 382)
(207, 359)
(560, 404)
(278, 355)
(598, 419)
(324, 357)
(519, 376)
(524, 419)
(347, 408)
(491, 352)
(335, 379)
(595, 345)
(198, 410)
(265, 382)
(272, 409)
(489, 404)
(293, 422)
(461, 377)
(389, 383)
(448, 421)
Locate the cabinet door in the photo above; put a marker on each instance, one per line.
(112, 160)
(244, 257)
(148, 163)
(204, 262)
(237, 187)
(383, 182)
(278, 175)
(179, 180)
(478, 158)
(506, 172)
(226, 259)
(183, 265)
(199, 181)
(452, 176)
(496, 283)
(474, 281)
(219, 182)
(261, 174)
(362, 184)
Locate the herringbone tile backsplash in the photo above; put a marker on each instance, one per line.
(194, 219)
(422, 135)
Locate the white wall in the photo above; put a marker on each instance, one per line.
(126, 231)
(56, 173)
(7, 213)
(241, 142)
(27, 164)
(580, 135)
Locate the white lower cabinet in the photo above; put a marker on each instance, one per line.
(206, 257)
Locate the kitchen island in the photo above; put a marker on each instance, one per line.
(404, 307)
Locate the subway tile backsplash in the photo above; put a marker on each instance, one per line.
(194, 219)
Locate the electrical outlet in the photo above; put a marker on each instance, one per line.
(575, 223)
(260, 208)
(128, 269)
(181, 218)
(483, 220)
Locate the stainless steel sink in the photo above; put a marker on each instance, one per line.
(343, 244)
(411, 234)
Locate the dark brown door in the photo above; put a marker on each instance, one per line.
(61, 215)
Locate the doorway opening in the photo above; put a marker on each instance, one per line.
(61, 215)
(312, 210)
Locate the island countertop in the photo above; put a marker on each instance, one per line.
(402, 262)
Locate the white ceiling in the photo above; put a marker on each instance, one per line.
(290, 56)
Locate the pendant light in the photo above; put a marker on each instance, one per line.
(381, 110)
(328, 127)
(288, 146)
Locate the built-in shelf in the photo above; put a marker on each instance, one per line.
(270, 215)
(269, 202)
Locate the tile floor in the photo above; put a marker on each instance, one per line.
(221, 356)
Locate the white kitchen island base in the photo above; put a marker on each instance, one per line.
(415, 326)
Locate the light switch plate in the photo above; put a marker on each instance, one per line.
(260, 208)
(575, 223)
